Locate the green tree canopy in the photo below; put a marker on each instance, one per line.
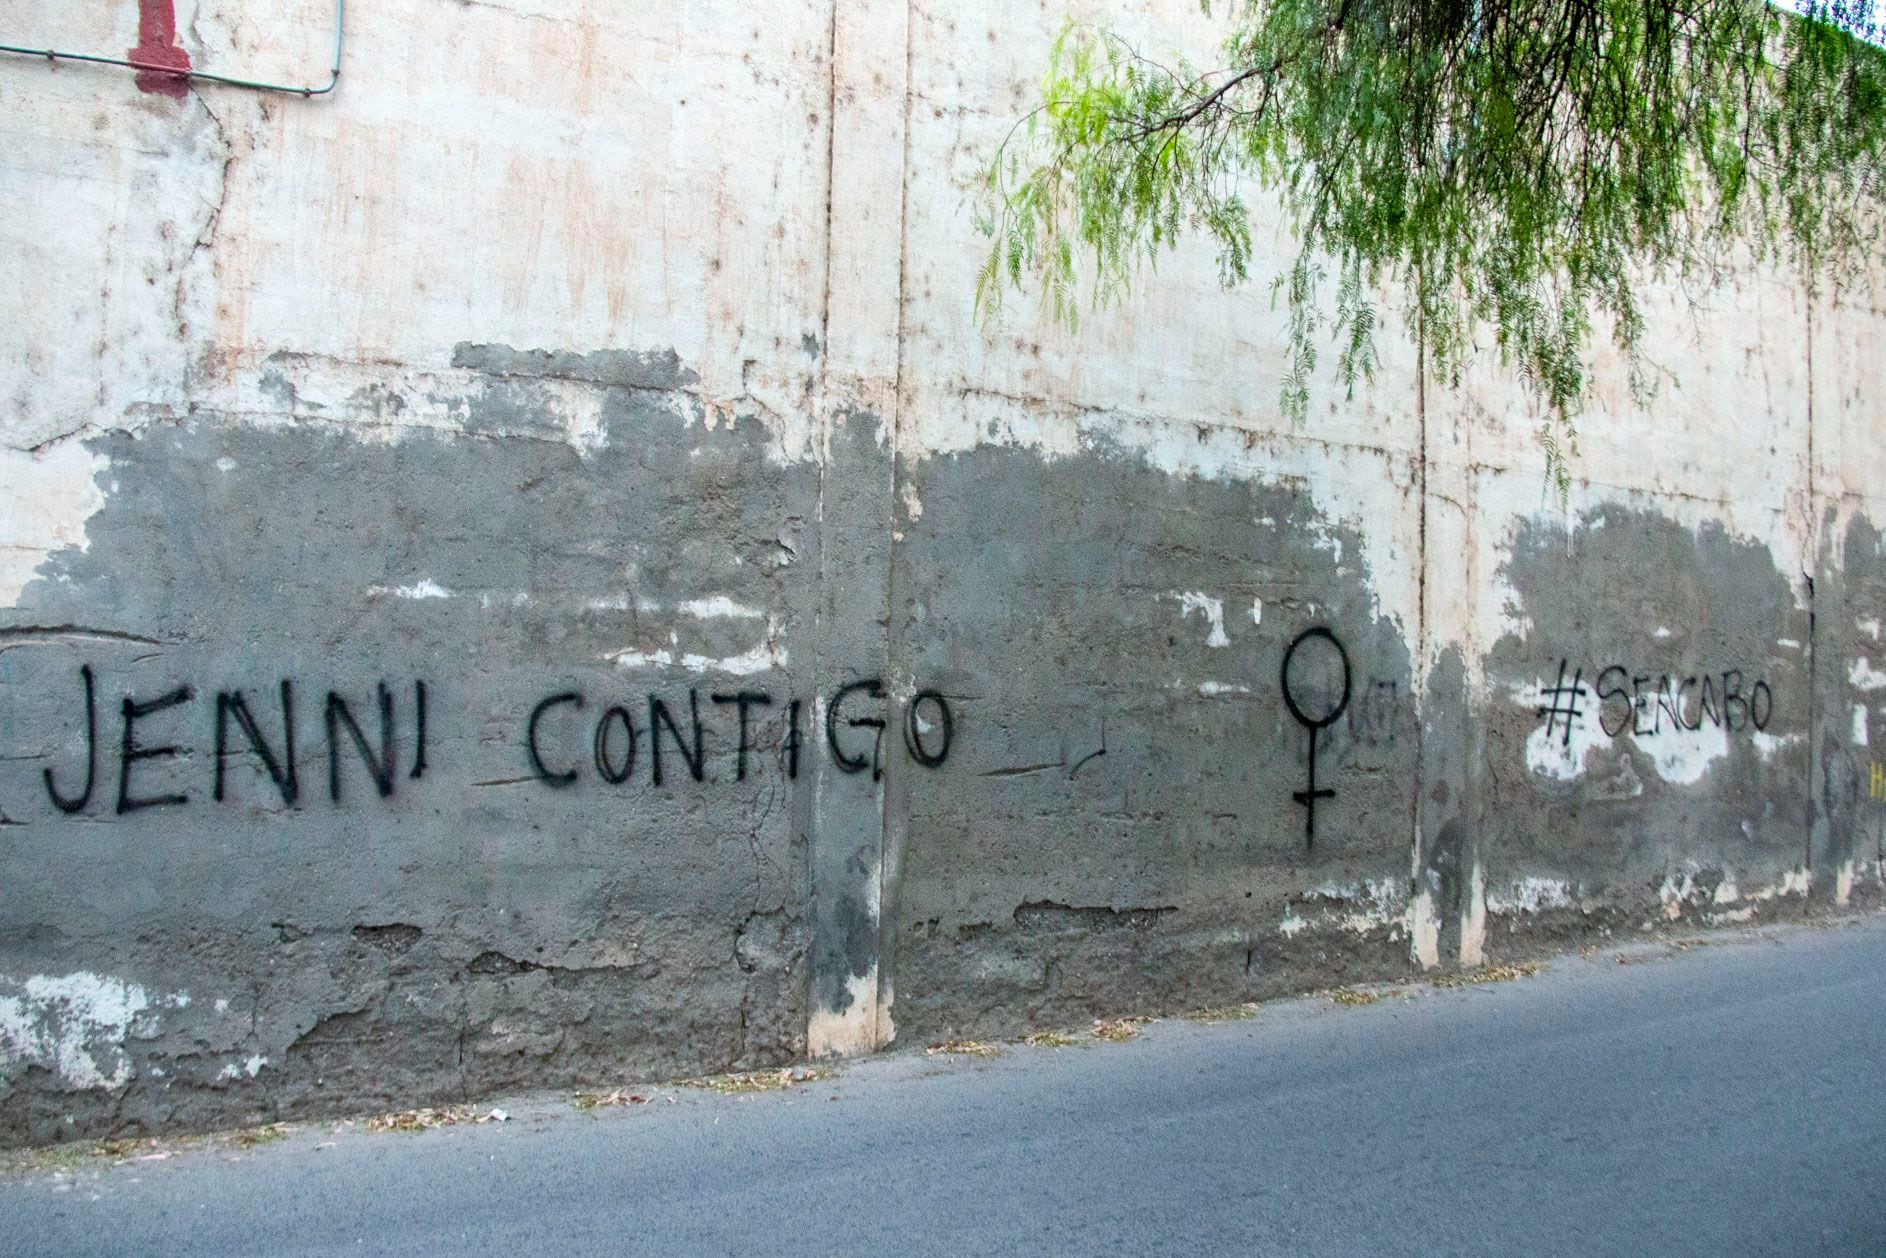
(1518, 167)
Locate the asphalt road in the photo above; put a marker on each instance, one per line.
(1728, 1099)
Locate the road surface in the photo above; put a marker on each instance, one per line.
(1721, 1099)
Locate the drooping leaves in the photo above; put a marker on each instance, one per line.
(1518, 168)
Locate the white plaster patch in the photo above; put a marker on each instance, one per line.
(237, 1069)
(1859, 725)
(765, 655)
(1553, 752)
(74, 1025)
(1532, 895)
(1360, 908)
(1212, 689)
(1869, 626)
(759, 659)
(49, 497)
(1473, 926)
(1683, 756)
(856, 1028)
(1257, 611)
(1766, 745)
(1864, 676)
(1212, 609)
(420, 590)
(659, 658)
(1424, 921)
(1675, 892)
(719, 606)
(1558, 747)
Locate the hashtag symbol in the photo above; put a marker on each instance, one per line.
(1562, 701)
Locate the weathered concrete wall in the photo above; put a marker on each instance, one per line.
(526, 570)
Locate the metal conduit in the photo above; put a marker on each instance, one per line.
(334, 75)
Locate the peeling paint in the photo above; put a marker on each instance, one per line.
(1532, 895)
(1384, 910)
(248, 1068)
(418, 591)
(1473, 926)
(1861, 675)
(1768, 746)
(857, 1028)
(718, 606)
(768, 655)
(1425, 931)
(1211, 609)
(74, 1025)
(49, 496)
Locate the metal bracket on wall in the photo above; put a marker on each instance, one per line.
(334, 75)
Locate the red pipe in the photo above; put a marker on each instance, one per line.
(158, 52)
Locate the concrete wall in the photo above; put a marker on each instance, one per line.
(610, 373)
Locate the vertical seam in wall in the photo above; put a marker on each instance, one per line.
(831, 179)
(889, 844)
(811, 809)
(1817, 776)
(1421, 603)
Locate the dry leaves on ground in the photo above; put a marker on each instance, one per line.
(1490, 974)
(1226, 1013)
(607, 1100)
(1119, 1030)
(965, 1048)
(1353, 996)
(759, 1080)
(422, 1119)
(1049, 1039)
(249, 1137)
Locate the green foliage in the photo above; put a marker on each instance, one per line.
(1518, 167)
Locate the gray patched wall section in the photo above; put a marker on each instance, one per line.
(1849, 710)
(1672, 670)
(390, 483)
(446, 912)
(1120, 831)
(1017, 759)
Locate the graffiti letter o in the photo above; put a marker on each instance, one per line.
(913, 737)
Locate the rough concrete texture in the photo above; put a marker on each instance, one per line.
(587, 370)
(1121, 832)
(1649, 717)
(293, 932)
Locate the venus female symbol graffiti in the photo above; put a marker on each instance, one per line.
(1315, 697)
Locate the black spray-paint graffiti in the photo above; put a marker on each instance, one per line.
(379, 733)
(1314, 724)
(233, 713)
(1625, 699)
(614, 740)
